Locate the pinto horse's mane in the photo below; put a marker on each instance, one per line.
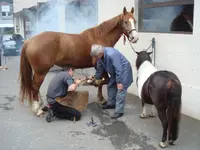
(103, 28)
(142, 57)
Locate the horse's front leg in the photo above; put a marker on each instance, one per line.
(105, 79)
(100, 95)
(163, 119)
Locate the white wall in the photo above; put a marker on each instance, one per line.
(179, 53)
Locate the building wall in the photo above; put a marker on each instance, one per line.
(19, 24)
(20, 4)
(6, 16)
(175, 52)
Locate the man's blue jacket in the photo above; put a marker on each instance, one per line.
(117, 66)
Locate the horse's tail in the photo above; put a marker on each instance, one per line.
(174, 107)
(25, 75)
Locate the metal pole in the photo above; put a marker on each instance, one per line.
(0, 58)
(154, 48)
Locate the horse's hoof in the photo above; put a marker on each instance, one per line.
(171, 142)
(102, 101)
(152, 115)
(142, 116)
(163, 144)
(40, 113)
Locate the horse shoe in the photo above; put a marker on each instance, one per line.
(89, 81)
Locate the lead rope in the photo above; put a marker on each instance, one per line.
(153, 45)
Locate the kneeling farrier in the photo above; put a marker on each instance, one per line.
(58, 90)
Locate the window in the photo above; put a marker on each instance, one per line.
(3, 14)
(166, 16)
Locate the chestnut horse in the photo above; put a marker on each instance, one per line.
(47, 49)
(162, 89)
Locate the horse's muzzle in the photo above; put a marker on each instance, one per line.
(131, 37)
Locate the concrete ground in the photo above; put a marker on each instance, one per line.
(21, 130)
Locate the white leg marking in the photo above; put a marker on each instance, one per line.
(144, 113)
(152, 111)
(35, 106)
(171, 142)
(163, 144)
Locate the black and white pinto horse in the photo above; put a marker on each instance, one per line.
(163, 90)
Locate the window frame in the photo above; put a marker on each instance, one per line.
(142, 6)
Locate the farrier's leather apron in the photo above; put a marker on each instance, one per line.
(75, 99)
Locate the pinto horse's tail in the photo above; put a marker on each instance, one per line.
(174, 108)
(25, 75)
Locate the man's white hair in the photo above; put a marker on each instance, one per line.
(96, 50)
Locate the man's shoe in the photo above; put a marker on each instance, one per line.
(116, 115)
(108, 106)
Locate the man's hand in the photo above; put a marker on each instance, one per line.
(78, 81)
(72, 87)
(120, 86)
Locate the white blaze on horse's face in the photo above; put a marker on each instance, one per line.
(133, 35)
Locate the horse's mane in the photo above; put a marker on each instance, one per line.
(103, 28)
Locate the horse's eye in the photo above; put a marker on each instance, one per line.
(125, 22)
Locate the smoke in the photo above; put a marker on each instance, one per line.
(160, 19)
(63, 16)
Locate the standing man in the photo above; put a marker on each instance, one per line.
(120, 74)
(57, 91)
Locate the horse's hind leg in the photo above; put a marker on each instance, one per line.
(152, 114)
(38, 79)
(163, 118)
(144, 112)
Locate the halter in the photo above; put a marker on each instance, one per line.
(153, 45)
(126, 34)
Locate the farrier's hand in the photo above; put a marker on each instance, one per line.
(72, 87)
(78, 81)
(120, 86)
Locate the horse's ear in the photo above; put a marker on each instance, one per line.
(132, 10)
(137, 53)
(149, 53)
(124, 11)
